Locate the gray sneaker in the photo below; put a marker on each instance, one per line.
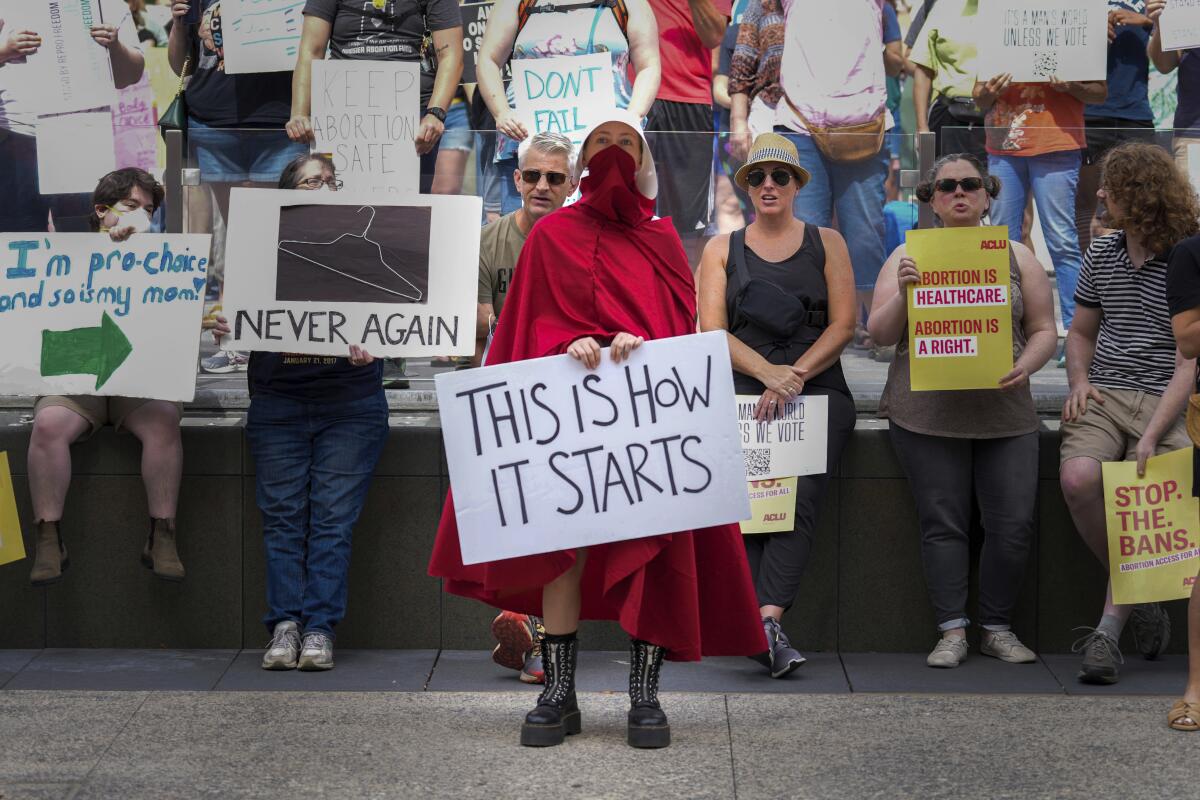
(785, 659)
(949, 652)
(317, 653)
(1100, 657)
(284, 649)
(1151, 629)
(225, 361)
(1005, 646)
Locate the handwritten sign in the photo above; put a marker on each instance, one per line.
(1179, 25)
(12, 547)
(135, 134)
(474, 24)
(366, 114)
(772, 506)
(314, 272)
(261, 35)
(794, 444)
(564, 94)
(1153, 528)
(546, 455)
(960, 316)
(1035, 40)
(81, 314)
(70, 71)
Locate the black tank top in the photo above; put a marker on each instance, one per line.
(803, 276)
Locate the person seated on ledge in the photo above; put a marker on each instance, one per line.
(979, 443)
(316, 428)
(122, 205)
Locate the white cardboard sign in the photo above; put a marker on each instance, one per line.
(794, 444)
(366, 115)
(314, 272)
(1036, 39)
(565, 94)
(261, 35)
(82, 314)
(546, 455)
(1179, 25)
(72, 72)
(74, 151)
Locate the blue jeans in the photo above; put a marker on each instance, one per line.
(313, 464)
(1053, 178)
(856, 192)
(233, 155)
(510, 198)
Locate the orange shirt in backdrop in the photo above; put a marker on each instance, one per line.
(1032, 119)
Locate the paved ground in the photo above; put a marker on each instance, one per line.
(167, 724)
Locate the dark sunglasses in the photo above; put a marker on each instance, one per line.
(949, 185)
(779, 176)
(535, 175)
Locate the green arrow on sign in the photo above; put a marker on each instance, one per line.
(86, 351)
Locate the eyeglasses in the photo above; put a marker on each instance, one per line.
(949, 185)
(317, 183)
(535, 175)
(779, 176)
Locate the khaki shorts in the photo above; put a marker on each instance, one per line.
(97, 410)
(1110, 432)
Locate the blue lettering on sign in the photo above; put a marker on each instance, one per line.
(22, 269)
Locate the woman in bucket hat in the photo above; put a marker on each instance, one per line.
(784, 292)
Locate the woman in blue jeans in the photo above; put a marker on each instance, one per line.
(316, 428)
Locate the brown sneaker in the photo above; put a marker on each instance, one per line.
(160, 554)
(50, 559)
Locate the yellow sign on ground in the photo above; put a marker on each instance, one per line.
(772, 506)
(1153, 528)
(11, 546)
(959, 316)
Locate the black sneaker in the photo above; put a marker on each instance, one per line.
(784, 658)
(1151, 628)
(1100, 657)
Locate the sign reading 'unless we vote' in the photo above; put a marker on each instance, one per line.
(1035, 40)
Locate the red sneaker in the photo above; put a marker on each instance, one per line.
(516, 634)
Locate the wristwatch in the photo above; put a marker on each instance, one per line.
(440, 113)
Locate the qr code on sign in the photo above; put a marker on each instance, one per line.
(758, 463)
(1045, 63)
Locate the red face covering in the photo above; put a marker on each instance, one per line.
(610, 187)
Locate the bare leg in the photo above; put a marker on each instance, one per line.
(54, 429)
(1192, 692)
(1083, 488)
(156, 424)
(448, 172)
(775, 612)
(561, 599)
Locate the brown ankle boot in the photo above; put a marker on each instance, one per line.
(159, 553)
(51, 557)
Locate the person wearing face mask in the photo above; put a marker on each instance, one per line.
(605, 271)
(122, 206)
(784, 291)
(956, 446)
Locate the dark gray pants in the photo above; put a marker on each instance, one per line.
(944, 474)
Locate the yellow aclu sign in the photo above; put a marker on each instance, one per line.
(11, 546)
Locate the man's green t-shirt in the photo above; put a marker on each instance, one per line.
(500, 244)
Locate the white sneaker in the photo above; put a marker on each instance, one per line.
(1005, 646)
(225, 361)
(284, 649)
(316, 653)
(949, 652)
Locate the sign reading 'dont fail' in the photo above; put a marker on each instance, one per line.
(564, 94)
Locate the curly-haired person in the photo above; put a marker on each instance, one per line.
(1128, 383)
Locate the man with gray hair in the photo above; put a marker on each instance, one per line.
(545, 165)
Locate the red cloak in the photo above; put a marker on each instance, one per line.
(598, 268)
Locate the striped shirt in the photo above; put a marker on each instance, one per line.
(1135, 348)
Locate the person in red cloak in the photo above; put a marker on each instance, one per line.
(606, 271)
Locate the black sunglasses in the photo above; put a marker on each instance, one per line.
(535, 175)
(779, 176)
(949, 185)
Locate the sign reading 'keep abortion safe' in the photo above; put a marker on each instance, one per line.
(546, 455)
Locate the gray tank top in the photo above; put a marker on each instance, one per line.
(966, 414)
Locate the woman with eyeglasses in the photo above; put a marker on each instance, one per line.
(316, 427)
(960, 446)
(784, 292)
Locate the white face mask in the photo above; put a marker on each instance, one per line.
(136, 218)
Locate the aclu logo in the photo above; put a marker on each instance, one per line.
(994, 244)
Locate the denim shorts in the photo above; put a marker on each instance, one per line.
(233, 155)
(457, 135)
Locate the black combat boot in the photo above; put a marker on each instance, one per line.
(557, 713)
(648, 726)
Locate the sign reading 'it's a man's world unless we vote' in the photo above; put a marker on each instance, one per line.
(546, 455)
(1036, 40)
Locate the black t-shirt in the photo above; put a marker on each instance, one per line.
(259, 100)
(312, 379)
(393, 32)
(1183, 293)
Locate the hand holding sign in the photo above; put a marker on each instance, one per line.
(17, 43)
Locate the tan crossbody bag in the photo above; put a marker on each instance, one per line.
(846, 144)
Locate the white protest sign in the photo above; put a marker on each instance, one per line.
(82, 314)
(261, 35)
(71, 71)
(793, 444)
(565, 94)
(1034, 40)
(74, 151)
(546, 455)
(1179, 25)
(314, 272)
(366, 114)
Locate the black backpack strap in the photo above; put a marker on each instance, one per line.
(737, 249)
